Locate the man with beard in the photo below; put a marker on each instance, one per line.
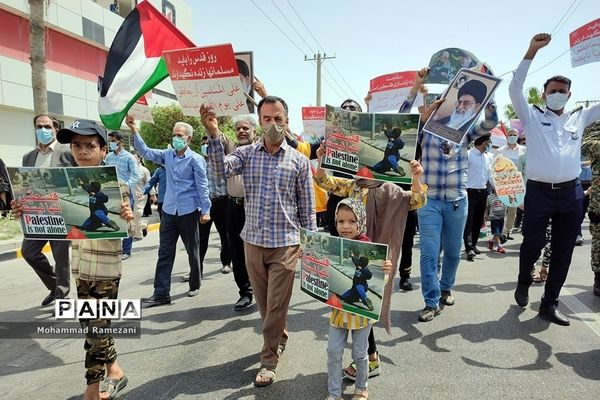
(470, 96)
(279, 199)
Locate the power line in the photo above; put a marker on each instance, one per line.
(563, 16)
(569, 16)
(550, 62)
(309, 31)
(293, 27)
(306, 43)
(277, 26)
(321, 47)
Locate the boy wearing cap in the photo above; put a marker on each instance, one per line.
(96, 265)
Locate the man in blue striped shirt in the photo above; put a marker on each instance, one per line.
(442, 220)
(279, 200)
(186, 203)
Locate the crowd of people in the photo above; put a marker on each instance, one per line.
(260, 190)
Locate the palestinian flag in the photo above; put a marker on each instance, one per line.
(135, 64)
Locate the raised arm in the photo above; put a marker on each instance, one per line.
(305, 197)
(154, 155)
(515, 89)
(220, 165)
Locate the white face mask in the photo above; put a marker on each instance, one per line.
(556, 101)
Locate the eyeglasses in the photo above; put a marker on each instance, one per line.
(465, 103)
(349, 107)
(43, 126)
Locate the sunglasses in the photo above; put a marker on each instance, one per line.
(349, 107)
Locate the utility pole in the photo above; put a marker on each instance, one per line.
(587, 103)
(319, 59)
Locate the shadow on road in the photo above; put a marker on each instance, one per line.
(509, 328)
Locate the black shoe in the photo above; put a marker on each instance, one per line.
(508, 237)
(243, 303)
(470, 255)
(49, 299)
(476, 251)
(145, 232)
(522, 294)
(550, 313)
(596, 283)
(155, 301)
(406, 285)
(503, 238)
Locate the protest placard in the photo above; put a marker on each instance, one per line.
(389, 91)
(373, 146)
(69, 203)
(508, 181)
(585, 44)
(345, 274)
(313, 121)
(245, 65)
(444, 65)
(466, 97)
(140, 111)
(207, 75)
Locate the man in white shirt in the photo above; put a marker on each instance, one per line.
(513, 151)
(479, 173)
(553, 188)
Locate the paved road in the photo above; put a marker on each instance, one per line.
(484, 347)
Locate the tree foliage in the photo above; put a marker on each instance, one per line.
(534, 96)
(159, 134)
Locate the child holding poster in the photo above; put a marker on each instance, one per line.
(351, 223)
(96, 267)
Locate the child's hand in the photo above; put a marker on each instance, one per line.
(320, 151)
(126, 212)
(16, 208)
(387, 268)
(416, 169)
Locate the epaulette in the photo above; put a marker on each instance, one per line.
(576, 110)
(539, 109)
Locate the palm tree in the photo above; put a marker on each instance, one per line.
(37, 44)
(534, 96)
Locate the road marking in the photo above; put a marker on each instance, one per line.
(583, 312)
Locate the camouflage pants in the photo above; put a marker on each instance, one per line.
(595, 230)
(100, 349)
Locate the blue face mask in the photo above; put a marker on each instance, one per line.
(44, 136)
(113, 146)
(178, 143)
(488, 148)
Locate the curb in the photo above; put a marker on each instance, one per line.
(14, 254)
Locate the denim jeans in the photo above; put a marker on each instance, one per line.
(335, 350)
(440, 222)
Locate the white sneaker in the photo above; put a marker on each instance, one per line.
(193, 293)
(226, 269)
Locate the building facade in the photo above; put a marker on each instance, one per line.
(78, 36)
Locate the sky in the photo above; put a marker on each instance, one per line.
(379, 37)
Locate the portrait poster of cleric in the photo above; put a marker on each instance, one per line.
(69, 203)
(245, 65)
(465, 98)
(373, 146)
(343, 273)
